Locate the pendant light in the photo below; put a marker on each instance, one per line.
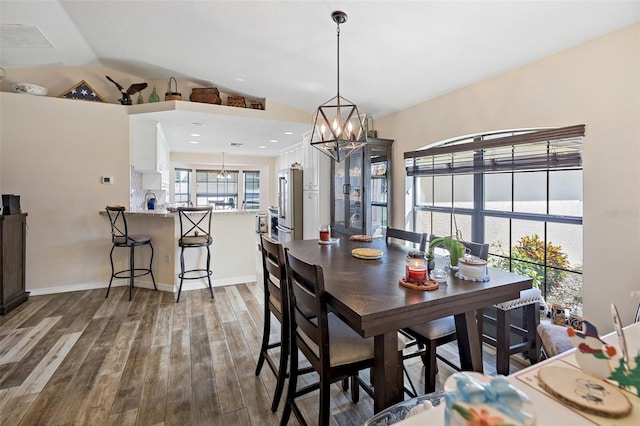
(223, 174)
(338, 129)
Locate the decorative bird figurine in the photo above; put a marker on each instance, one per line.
(126, 94)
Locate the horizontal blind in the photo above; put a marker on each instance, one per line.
(549, 149)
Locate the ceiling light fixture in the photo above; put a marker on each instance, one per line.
(194, 142)
(288, 133)
(195, 134)
(223, 174)
(338, 130)
(273, 140)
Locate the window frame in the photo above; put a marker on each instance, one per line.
(479, 214)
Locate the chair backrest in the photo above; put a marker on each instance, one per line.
(274, 270)
(119, 229)
(480, 250)
(195, 224)
(413, 237)
(308, 310)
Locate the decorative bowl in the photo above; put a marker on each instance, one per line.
(30, 89)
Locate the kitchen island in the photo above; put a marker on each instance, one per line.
(233, 252)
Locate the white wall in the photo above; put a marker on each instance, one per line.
(598, 84)
(53, 153)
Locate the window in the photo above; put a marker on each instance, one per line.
(519, 191)
(219, 193)
(251, 190)
(182, 192)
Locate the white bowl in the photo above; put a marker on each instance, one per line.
(30, 89)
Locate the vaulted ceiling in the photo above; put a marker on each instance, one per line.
(393, 54)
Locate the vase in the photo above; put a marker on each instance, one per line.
(153, 97)
(140, 100)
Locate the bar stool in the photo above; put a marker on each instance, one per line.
(120, 238)
(195, 231)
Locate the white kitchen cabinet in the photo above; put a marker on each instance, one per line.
(310, 214)
(150, 154)
(311, 165)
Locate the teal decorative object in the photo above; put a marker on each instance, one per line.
(153, 97)
(139, 100)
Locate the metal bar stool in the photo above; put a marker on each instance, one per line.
(195, 231)
(120, 238)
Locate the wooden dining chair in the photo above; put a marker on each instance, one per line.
(410, 236)
(334, 350)
(275, 302)
(439, 332)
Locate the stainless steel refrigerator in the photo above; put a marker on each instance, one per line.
(290, 205)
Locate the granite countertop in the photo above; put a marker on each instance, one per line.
(167, 213)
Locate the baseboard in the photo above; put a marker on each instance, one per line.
(187, 285)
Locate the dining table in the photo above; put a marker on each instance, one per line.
(367, 295)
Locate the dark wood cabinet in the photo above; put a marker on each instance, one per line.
(361, 190)
(13, 236)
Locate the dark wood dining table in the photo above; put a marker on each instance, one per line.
(367, 295)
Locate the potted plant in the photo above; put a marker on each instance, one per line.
(455, 248)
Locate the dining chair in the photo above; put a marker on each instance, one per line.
(195, 232)
(410, 236)
(120, 237)
(439, 332)
(334, 350)
(275, 302)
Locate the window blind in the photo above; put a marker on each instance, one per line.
(549, 149)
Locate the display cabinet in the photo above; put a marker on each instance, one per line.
(361, 190)
(13, 233)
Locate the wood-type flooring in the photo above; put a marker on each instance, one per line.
(80, 359)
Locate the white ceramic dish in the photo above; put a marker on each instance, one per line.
(29, 89)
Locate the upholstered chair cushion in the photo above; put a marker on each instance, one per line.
(435, 329)
(554, 338)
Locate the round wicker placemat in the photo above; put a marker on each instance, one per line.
(429, 285)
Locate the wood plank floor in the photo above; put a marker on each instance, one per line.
(80, 359)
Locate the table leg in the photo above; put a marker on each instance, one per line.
(469, 343)
(387, 371)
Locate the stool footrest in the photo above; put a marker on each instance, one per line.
(142, 272)
(206, 273)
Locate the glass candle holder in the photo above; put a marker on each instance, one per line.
(325, 233)
(416, 267)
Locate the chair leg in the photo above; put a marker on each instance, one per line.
(431, 368)
(325, 402)
(132, 271)
(291, 388)
(209, 270)
(355, 390)
(282, 367)
(532, 319)
(265, 338)
(112, 270)
(181, 273)
(503, 341)
(150, 270)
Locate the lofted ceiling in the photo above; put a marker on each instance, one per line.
(393, 54)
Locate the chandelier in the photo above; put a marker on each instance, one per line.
(338, 129)
(223, 174)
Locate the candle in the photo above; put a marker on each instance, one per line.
(417, 274)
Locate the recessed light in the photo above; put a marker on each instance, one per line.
(194, 142)
(288, 133)
(195, 134)
(262, 147)
(273, 141)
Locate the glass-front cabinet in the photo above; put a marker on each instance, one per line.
(360, 190)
